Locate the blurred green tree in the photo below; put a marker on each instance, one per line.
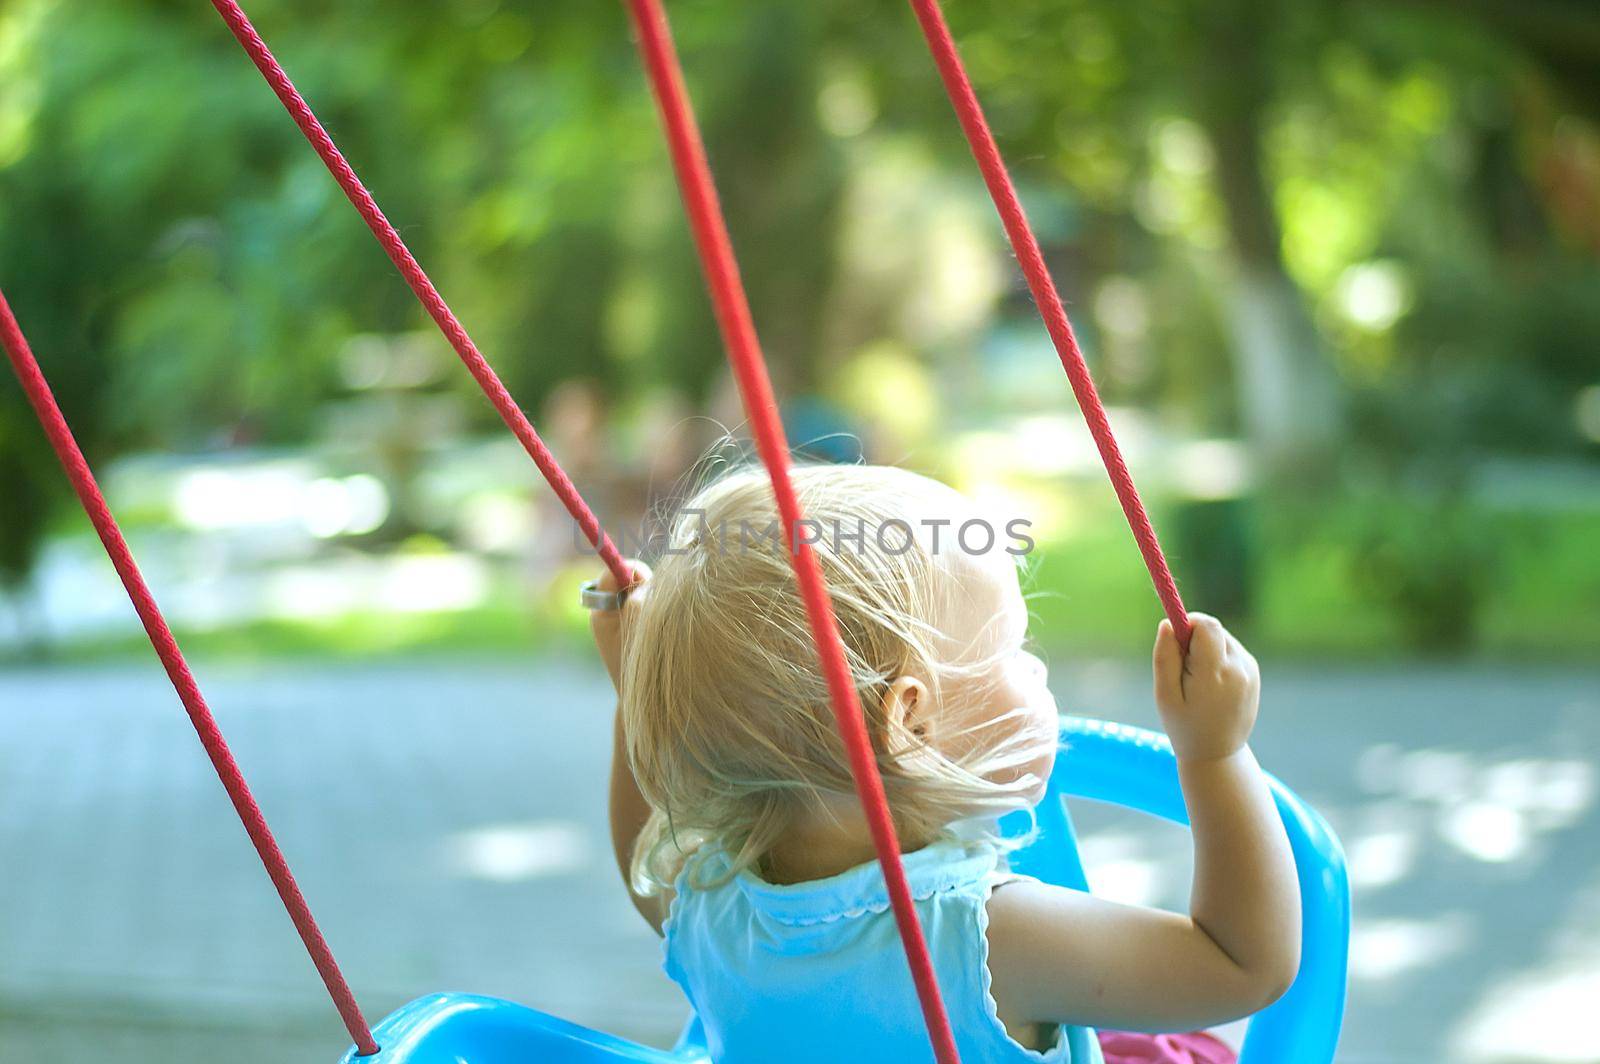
(1261, 210)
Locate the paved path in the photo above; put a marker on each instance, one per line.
(447, 824)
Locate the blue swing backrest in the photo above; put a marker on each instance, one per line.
(1132, 767)
(1099, 760)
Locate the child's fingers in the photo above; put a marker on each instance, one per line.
(640, 586)
(608, 579)
(605, 623)
(639, 590)
(608, 625)
(1167, 663)
(641, 572)
(1208, 643)
(1244, 660)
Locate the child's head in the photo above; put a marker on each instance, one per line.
(729, 726)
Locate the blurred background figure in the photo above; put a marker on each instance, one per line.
(1336, 267)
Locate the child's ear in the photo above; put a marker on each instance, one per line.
(908, 713)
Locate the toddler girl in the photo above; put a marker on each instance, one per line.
(737, 827)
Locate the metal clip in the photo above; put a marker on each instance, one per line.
(595, 599)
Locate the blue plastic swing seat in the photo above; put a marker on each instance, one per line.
(1100, 761)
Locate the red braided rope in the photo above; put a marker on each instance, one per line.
(654, 38)
(1045, 297)
(413, 273)
(166, 647)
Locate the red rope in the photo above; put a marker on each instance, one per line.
(744, 355)
(166, 648)
(1045, 297)
(429, 296)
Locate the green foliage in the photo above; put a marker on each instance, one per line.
(1423, 180)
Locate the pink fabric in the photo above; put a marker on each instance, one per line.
(1123, 1047)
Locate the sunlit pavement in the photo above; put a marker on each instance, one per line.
(447, 823)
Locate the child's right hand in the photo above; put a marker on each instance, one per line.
(1066, 956)
(1208, 699)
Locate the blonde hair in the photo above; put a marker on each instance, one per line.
(729, 727)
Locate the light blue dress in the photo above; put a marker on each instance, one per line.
(815, 971)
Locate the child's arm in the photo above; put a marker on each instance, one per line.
(1064, 956)
(629, 810)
